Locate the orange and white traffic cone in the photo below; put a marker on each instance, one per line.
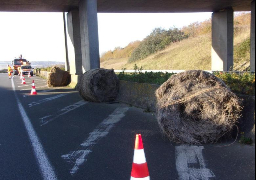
(139, 166)
(23, 80)
(29, 75)
(33, 90)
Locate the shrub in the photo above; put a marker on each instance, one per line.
(242, 51)
(197, 29)
(156, 41)
(147, 77)
(238, 83)
(119, 52)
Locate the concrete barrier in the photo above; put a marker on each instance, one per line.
(42, 74)
(247, 122)
(140, 95)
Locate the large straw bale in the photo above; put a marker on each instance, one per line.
(99, 85)
(196, 107)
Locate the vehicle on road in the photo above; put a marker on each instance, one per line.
(17, 63)
(26, 69)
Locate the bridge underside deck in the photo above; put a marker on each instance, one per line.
(126, 6)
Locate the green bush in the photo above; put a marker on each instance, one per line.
(242, 51)
(238, 83)
(147, 77)
(156, 41)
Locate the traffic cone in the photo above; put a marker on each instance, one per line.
(139, 166)
(23, 80)
(29, 75)
(33, 90)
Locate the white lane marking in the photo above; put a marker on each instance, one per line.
(23, 86)
(42, 159)
(49, 118)
(46, 100)
(77, 158)
(186, 156)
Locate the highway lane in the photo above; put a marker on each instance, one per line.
(17, 160)
(93, 141)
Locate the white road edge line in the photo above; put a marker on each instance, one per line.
(78, 157)
(188, 155)
(42, 159)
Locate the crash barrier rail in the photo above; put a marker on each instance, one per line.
(178, 71)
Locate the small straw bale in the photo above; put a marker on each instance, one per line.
(58, 77)
(99, 85)
(196, 107)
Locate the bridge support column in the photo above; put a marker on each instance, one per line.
(222, 40)
(89, 34)
(74, 45)
(253, 37)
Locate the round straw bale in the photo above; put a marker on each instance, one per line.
(196, 107)
(99, 85)
(58, 77)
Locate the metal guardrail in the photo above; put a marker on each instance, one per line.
(177, 71)
(154, 71)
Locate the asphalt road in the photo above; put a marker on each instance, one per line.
(57, 135)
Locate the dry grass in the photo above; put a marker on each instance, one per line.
(114, 63)
(190, 54)
(184, 55)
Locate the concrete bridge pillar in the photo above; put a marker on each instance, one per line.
(83, 41)
(89, 34)
(253, 37)
(74, 42)
(222, 40)
(74, 45)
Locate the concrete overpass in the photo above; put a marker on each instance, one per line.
(82, 42)
(120, 6)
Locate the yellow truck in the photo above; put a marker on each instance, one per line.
(17, 66)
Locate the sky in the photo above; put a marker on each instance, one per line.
(40, 36)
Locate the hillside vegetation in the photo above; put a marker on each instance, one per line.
(180, 49)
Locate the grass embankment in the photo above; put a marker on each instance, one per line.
(191, 53)
(184, 55)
